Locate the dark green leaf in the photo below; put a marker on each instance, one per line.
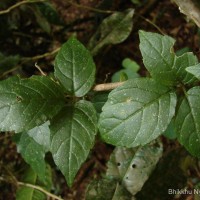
(73, 133)
(26, 103)
(74, 68)
(180, 52)
(134, 166)
(49, 12)
(161, 61)
(33, 153)
(187, 121)
(113, 30)
(26, 193)
(182, 62)
(158, 56)
(8, 62)
(170, 131)
(98, 100)
(41, 20)
(136, 112)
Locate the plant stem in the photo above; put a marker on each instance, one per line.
(35, 187)
(2, 12)
(90, 8)
(40, 189)
(107, 86)
(150, 22)
(26, 59)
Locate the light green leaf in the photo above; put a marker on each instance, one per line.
(106, 189)
(73, 134)
(130, 64)
(41, 135)
(28, 193)
(133, 166)
(136, 113)
(33, 153)
(161, 61)
(113, 30)
(130, 71)
(187, 121)
(74, 68)
(26, 103)
(194, 70)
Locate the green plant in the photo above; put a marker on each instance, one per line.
(56, 115)
(151, 103)
(129, 72)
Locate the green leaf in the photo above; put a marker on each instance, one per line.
(98, 100)
(136, 113)
(182, 62)
(106, 189)
(187, 121)
(158, 56)
(41, 20)
(161, 61)
(41, 135)
(73, 134)
(130, 71)
(33, 153)
(74, 68)
(133, 166)
(28, 193)
(130, 64)
(170, 131)
(113, 30)
(137, 2)
(26, 103)
(194, 70)
(49, 12)
(182, 51)
(7, 62)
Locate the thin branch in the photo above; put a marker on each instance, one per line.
(90, 8)
(27, 59)
(2, 12)
(150, 22)
(107, 86)
(40, 189)
(34, 187)
(40, 70)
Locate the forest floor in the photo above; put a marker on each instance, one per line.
(156, 16)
